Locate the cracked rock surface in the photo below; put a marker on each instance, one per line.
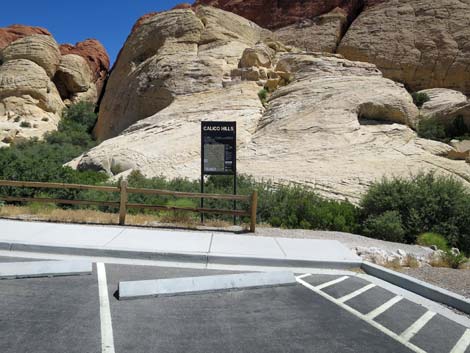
(334, 124)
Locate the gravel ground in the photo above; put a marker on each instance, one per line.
(350, 240)
(457, 281)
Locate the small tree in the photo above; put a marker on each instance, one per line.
(420, 98)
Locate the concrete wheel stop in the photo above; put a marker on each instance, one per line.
(35, 269)
(205, 284)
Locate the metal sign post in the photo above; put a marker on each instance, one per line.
(219, 153)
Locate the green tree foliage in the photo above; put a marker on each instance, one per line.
(37, 160)
(420, 98)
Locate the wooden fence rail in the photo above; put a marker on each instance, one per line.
(123, 204)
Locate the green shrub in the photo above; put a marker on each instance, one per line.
(25, 124)
(386, 226)
(81, 114)
(420, 98)
(458, 130)
(430, 239)
(432, 129)
(425, 203)
(38, 207)
(263, 95)
(36, 160)
(454, 260)
(287, 206)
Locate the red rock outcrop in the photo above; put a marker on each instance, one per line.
(274, 14)
(11, 33)
(96, 56)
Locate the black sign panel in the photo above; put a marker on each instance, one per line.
(219, 147)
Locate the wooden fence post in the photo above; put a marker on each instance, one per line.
(254, 206)
(123, 203)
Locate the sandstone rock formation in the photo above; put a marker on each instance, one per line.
(312, 25)
(29, 102)
(422, 43)
(96, 56)
(171, 54)
(38, 48)
(462, 150)
(446, 106)
(275, 14)
(334, 124)
(11, 33)
(323, 33)
(37, 81)
(73, 77)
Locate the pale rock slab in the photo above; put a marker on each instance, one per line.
(338, 127)
(73, 76)
(320, 34)
(168, 143)
(422, 43)
(27, 97)
(445, 105)
(38, 48)
(171, 54)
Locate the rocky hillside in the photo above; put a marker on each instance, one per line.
(39, 77)
(421, 43)
(328, 122)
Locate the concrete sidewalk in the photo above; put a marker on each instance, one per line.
(166, 245)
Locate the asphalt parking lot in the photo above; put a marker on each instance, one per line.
(322, 313)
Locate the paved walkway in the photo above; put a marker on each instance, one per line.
(202, 246)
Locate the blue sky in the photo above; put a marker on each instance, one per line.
(109, 21)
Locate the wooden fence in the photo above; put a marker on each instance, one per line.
(123, 204)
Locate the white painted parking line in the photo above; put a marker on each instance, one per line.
(356, 293)
(331, 283)
(361, 316)
(384, 307)
(411, 331)
(463, 343)
(107, 340)
(304, 275)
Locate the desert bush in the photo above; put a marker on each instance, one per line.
(287, 206)
(44, 208)
(425, 203)
(454, 260)
(420, 98)
(430, 239)
(431, 129)
(458, 130)
(386, 226)
(25, 124)
(263, 95)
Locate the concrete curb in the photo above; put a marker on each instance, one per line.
(5, 246)
(260, 261)
(100, 252)
(414, 285)
(202, 258)
(15, 270)
(205, 284)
